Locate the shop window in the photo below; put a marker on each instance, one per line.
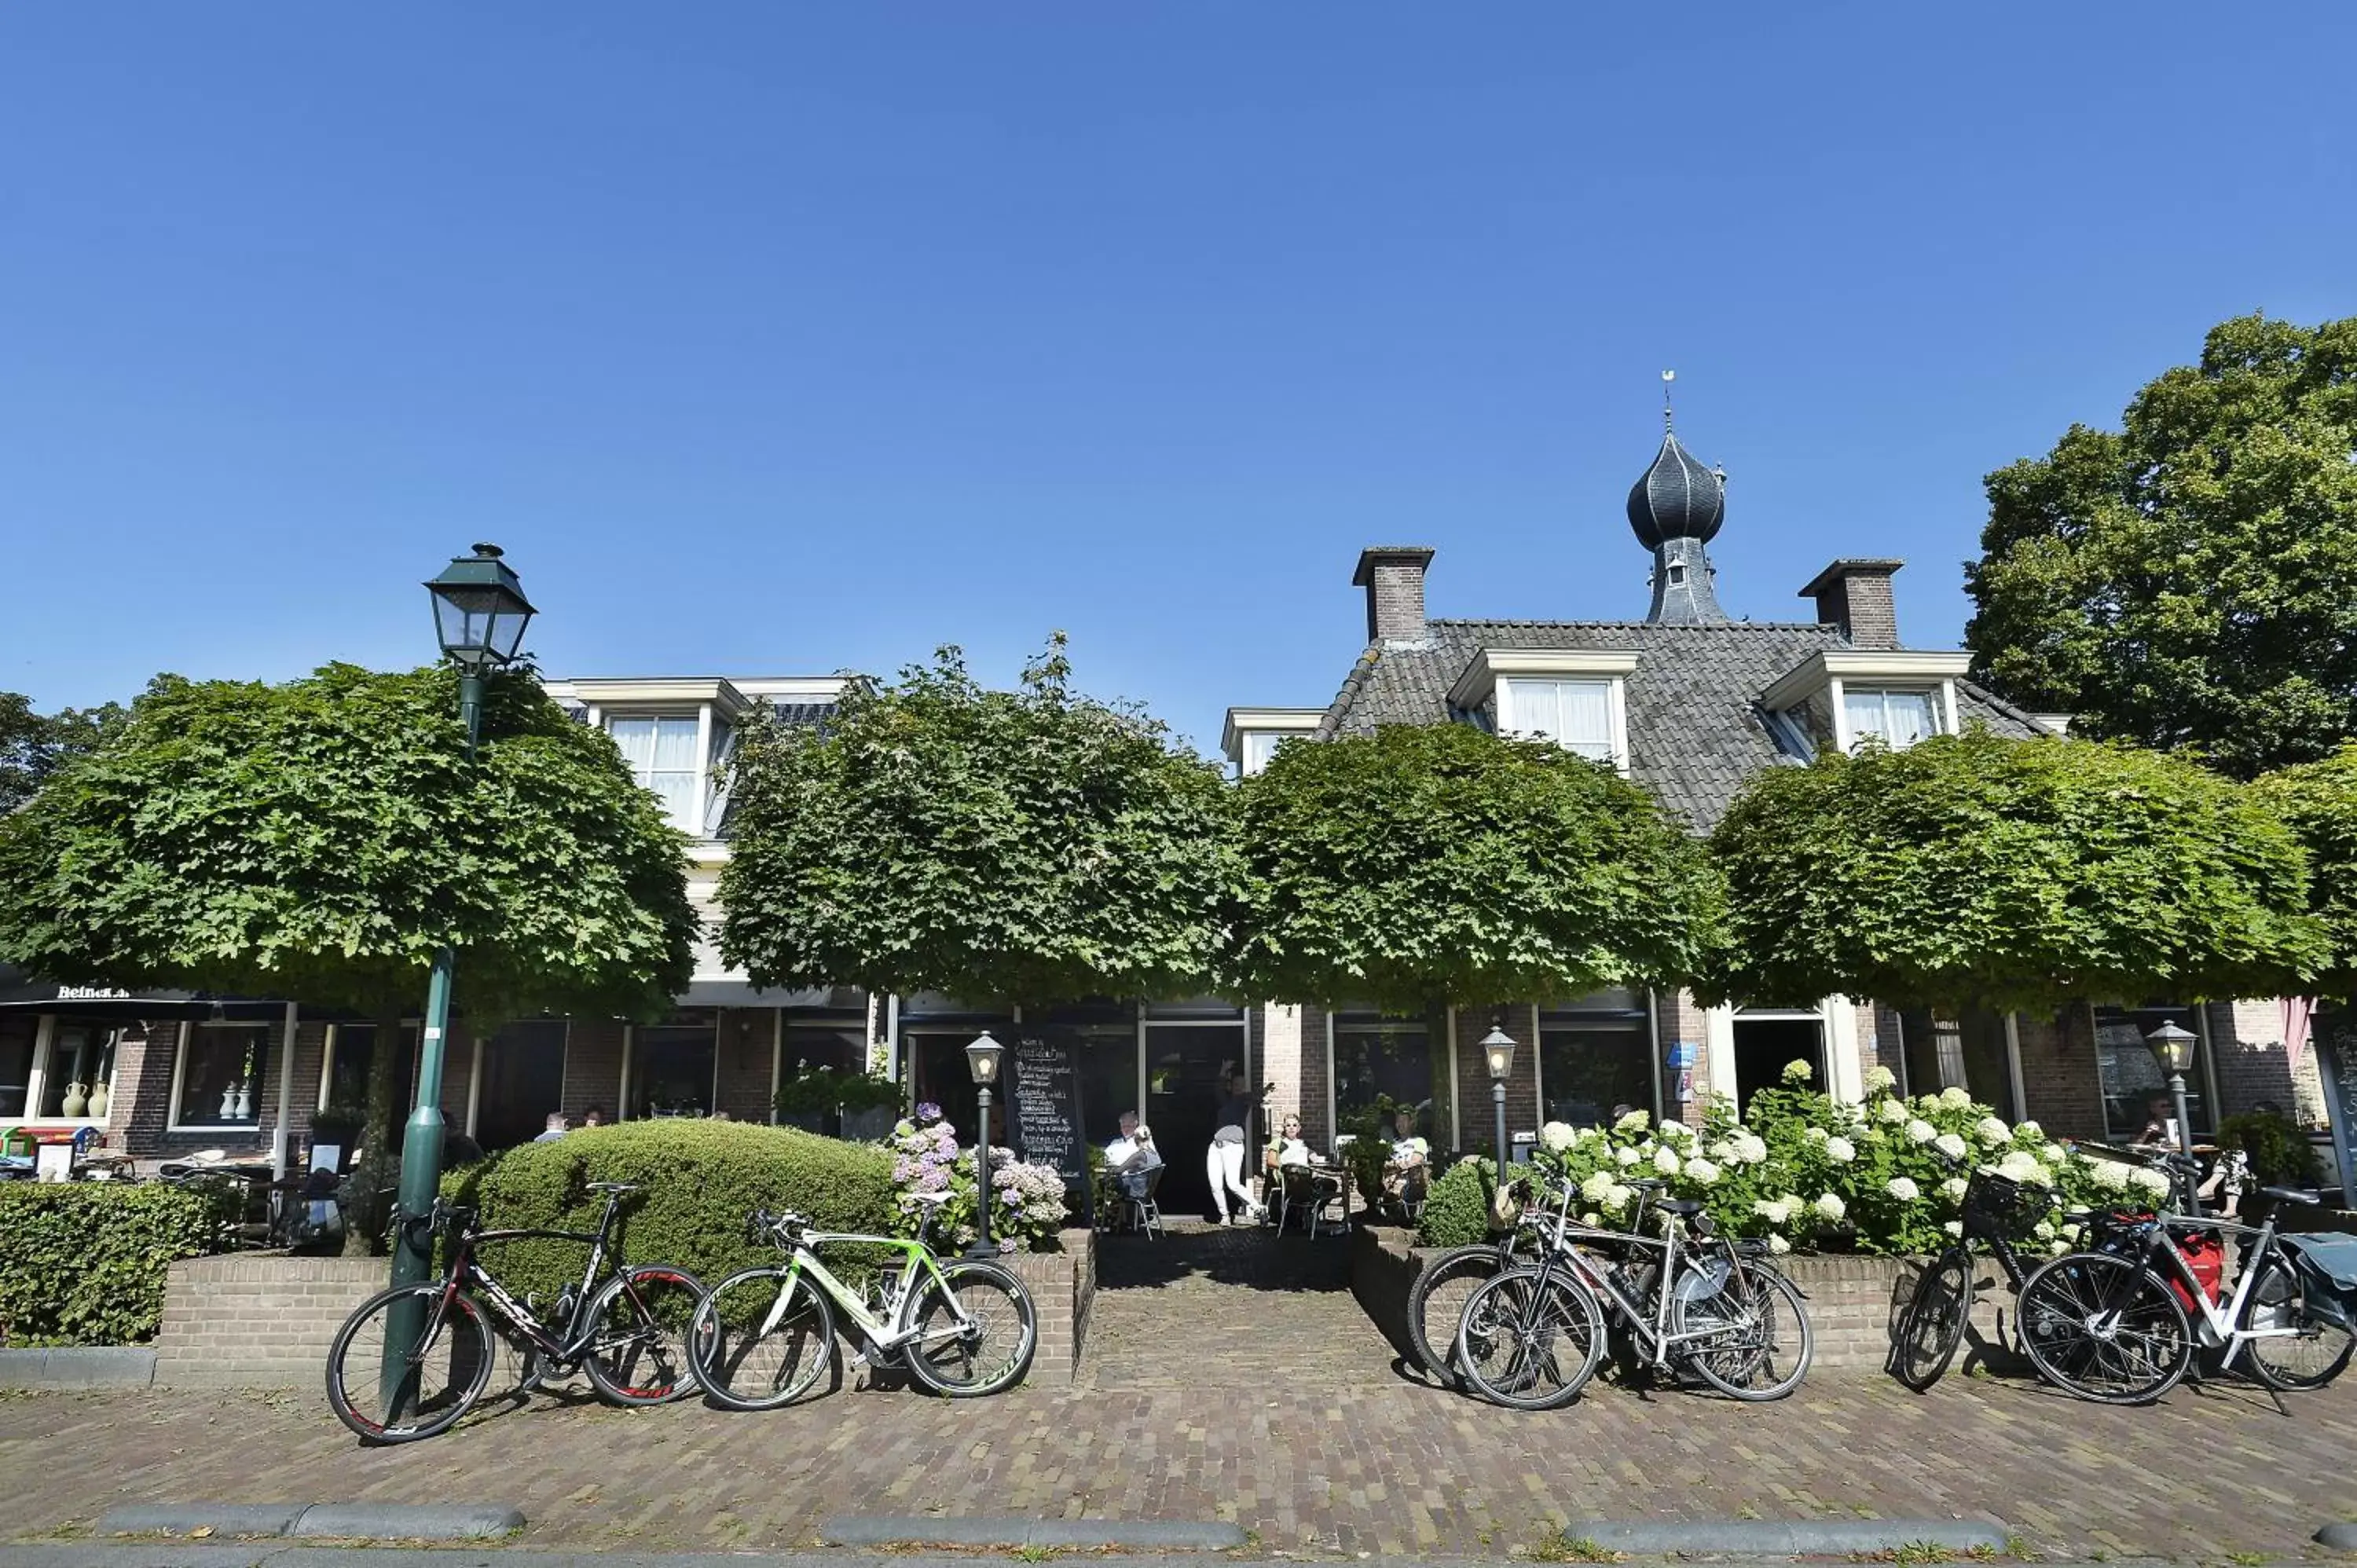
(1966, 1051)
(81, 1060)
(1375, 1058)
(1595, 1058)
(2135, 1089)
(838, 1043)
(352, 1057)
(221, 1075)
(16, 1065)
(671, 1068)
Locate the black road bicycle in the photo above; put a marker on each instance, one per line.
(395, 1381)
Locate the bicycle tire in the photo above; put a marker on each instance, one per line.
(354, 1389)
(1436, 1304)
(1742, 1362)
(2310, 1359)
(640, 1353)
(963, 1368)
(1934, 1322)
(1528, 1314)
(760, 1347)
(2103, 1329)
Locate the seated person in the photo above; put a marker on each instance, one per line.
(2160, 1123)
(1405, 1170)
(1132, 1157)
(1289, 1147)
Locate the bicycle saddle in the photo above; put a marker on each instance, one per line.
(933, 1198)
(613, 1186)
(1646, 1184)
(2291, 1195)
(1684, 1208)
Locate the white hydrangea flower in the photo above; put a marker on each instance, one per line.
(1993, 1131)
(1673, 1128)
(1626, 1155)
(1750, 1148)
(2044, 1230)
(1591, 1219)
(1892, 1111)
(1816, 1134)
(2028, 1131)
(1954, 1227)
(1779, 1246)
(1798, 1071)
(1701, 1171)
(1880, 1079)
(1830, 1207)
(1595, 1186)
(1617, 1196)
(1665, 1160)
(1634, 1122)
(1923, 1131)
(2109, 1175)
(1953, 1190)
(1555, 1138)
(1841, 1151)
(1950, 1145)
(1956, 1098)
(1721, 1150)
(2018, 1165)
(2151, 1182)
(1903, 1189)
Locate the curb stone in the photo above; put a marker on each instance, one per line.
(355, 1521)
(223, 1519)
(1010, 1529)
(1785, 1538)
(2339, 1537)
(79, 1367)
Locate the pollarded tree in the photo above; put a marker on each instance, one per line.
(1032, 846)
(2184, 581)
(1972, 870)
(1425, 866)
(320, 839)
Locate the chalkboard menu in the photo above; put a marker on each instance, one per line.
(1045, 1081)
(2334, 1036)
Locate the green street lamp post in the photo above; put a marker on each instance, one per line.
(2172, 1048)
(983, 1057)
(479, 615)
(1498, 1051)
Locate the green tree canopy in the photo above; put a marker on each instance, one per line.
(35, 746)
(2318, 799)
(1032, 846)
(1427, 864)
(320, 840)
(1971, 869)
(2185, 581)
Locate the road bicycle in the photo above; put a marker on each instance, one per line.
(626, 1328)
(762, 1337)
(1686, 1299)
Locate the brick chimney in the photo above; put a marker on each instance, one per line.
(1393, 576)
(1855, 597)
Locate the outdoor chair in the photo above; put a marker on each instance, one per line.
(1145, 1213)
(1306, 1193)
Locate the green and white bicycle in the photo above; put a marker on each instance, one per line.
(763, 1338)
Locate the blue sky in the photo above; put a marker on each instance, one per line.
(775, 340)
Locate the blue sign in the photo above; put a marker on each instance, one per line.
(1683, 1054)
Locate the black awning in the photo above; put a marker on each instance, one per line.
(24, 993)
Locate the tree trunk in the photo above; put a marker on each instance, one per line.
(381, 1129)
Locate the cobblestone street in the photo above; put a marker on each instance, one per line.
(1229, 1377)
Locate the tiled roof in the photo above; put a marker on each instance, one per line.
(1694, 729)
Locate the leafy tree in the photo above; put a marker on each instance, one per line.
(35, 746)
(1035, 845)
(320, 839)
(2184, 581)
(1976, 870)
(1428, 864)
(2319, 800)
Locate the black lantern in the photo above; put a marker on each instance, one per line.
(479, 610)
(2172, 1048)
(1498, 1046)
(982, 1058)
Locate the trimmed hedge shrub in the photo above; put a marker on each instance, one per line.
(699, 1180)
(1457, 1210)
(85, 1263)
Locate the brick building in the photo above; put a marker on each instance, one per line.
(1690, 704)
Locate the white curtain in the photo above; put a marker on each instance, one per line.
(661, 754)
(1899, 718)
(1577, 714)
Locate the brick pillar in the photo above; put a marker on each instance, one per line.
(1280, 1043)
(746, 1038)
(1318, 1129)
(2058, 1076)
(593, 1066)
(1680, 1020)
(1477, 1114)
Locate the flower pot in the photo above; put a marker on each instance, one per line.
(98, 1101)
(868, 1127)
(76, 1101)
(808, 1121)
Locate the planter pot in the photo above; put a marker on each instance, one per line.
(868, 1127)
(808, 1121)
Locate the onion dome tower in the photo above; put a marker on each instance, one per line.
(1675, 507)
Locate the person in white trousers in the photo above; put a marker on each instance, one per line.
(1223, 1162)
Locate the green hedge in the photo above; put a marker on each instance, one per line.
(85, 1263)
(699, 1181)
(1457, 1210)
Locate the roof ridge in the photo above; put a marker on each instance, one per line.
(1638, 625)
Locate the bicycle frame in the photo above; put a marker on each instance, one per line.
(1654, 1339)
(2214, 1321)
(466, 1273)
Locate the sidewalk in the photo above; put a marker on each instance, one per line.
(1384, 1466)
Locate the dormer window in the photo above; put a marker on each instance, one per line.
(676, 735)
(1574, 696)
(1896, 718)
(1843, 698)
(661, 752)
(1251, 735)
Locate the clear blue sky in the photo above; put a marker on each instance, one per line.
(771, 339)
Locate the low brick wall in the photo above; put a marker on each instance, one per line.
(266, 1320)
(1852, 1302)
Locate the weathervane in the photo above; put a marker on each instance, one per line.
(1669, 418)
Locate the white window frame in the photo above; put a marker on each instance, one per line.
(260, 1125)
(1942, 705)
(1829, 671)
(36, 1076)
(1244, 725)
(1489, 677)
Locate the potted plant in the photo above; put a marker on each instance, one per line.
(870, 1106)
(2280, 1153)
(808, 1098)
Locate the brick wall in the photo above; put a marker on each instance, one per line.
(1063, 1285)
(1317, 1128)
(1679, 1018)
(1476, 1113)
(746, 1039)
(1282, 1048)
(593, 1066)
(2247, 1043)
(2058, 1072)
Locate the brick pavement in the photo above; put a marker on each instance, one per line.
(1217, 1390)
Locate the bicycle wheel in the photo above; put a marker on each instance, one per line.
(762, 1339)
(1933, 1324)
(1436, 1304)
(976, 1330)
(2103, 1329)
(2296, 1349)
(1757, 1343)
(1530, 1341)
(445, 1377)
(639, 1320)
